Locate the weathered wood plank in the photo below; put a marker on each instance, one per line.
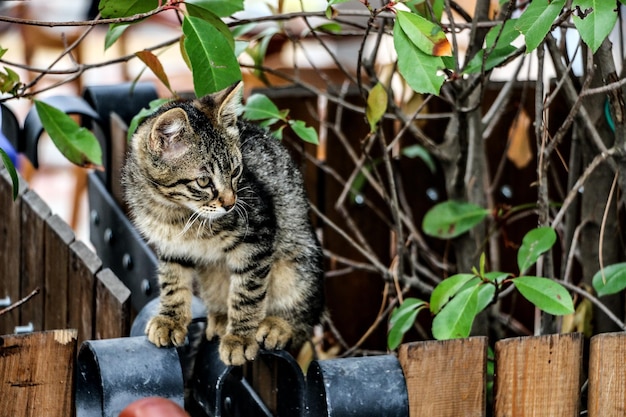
(112, 306)
(607, 376)
(9, 250)
(538, 376)
(37, 374)
(84, 264)
(57, 237)
(34, 214)
(445, 378)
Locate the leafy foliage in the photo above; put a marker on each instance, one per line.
(537, 20)
(261, 109)
(457, 300)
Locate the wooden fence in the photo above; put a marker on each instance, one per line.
(65, 287)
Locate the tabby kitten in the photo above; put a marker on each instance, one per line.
(222, 202)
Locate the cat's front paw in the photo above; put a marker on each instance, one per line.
(164, 331)
(273, 333)
(237, 350)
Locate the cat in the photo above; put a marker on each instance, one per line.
(224, 206)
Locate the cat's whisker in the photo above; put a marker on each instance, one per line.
(192, 219)
(243, 213)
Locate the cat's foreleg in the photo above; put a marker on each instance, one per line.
(169, 326)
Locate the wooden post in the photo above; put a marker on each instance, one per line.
(84, 264)
(58, 236)
(35, 212)
(9, 251)
(38, 374)
(538, 376)
(445, 378)
(607, 375)
(112, 306)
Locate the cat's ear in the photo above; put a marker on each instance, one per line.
(226, 105)
(168, 131)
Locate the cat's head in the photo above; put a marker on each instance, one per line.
(190, 153)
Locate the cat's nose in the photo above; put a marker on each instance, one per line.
(228, 200)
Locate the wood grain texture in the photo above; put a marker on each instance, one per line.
(112, 306)
(10, 240)
(34, 214)
(538, 376)
(57, 237)
(37, 374)
(84, 264)
(445, 378)
(607, 375)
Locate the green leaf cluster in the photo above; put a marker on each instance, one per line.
(261, 109)
(594, 20)
(208, 45)
(457, 300)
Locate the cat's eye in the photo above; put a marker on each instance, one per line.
(203, 181)
(237, 171)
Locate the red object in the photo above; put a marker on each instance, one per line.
(153, 407)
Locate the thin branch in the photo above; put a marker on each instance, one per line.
(600, 158)
(594, 301)
(20, 302)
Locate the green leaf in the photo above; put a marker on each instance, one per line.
(424, 34)
(536, 21)
(76, 143)
(452, 218)
(447, 289)
(12, 172)
(486, 293)
(143, 114)
(610, 280)
(113, 34)
(260, 107)
(418, 151)
(125, 8)
(421, 71)
(213, 62)
(376, 105)
(595, 20)
(402, 320)
(456, 317)
(212, 19)
(329, 27)
(9, 80)
(546, 294)
(222, 8)
(534, 244)
(306, 133)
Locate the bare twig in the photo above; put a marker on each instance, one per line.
(20, 302)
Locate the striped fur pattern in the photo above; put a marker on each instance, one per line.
(223, 204)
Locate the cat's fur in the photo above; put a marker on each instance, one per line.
(222, 202)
